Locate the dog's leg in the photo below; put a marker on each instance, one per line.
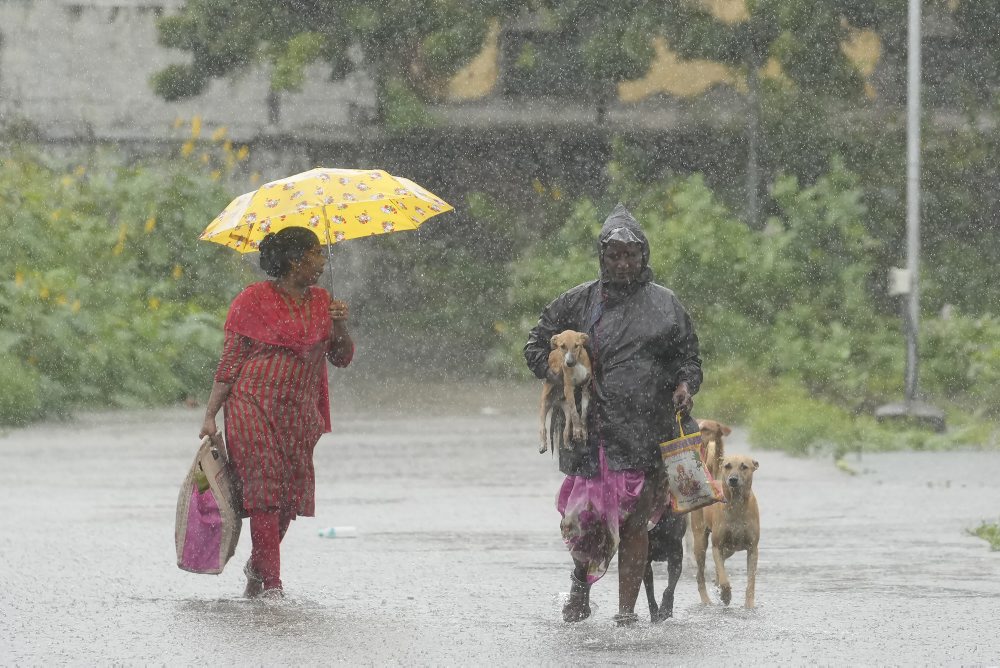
(569, 405)
(567, 424)
(725, 589)
(584, 406)
(546, 412)
(675, 561)
(647, 580)
(700, 535)
(751, 574)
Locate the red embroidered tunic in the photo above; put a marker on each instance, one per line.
(278, 406)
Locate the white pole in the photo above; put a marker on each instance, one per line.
(913, 195)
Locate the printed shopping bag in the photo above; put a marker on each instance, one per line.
(208, 522)
(689, 482)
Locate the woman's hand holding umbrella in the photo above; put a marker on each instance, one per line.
(339, 311)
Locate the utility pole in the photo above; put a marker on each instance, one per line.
(912, 196)
(908, 283)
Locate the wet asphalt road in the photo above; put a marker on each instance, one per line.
(459, 560)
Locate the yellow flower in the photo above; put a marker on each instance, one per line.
(219, 133)
(216, 174)
(537, 185)
(19, 278)
(188, 148)
(55, 215)
(196, 126)
(150, 224)
(120, 246)
(228, 146)
(557, 193)
(80, 171)
(243, 153)
(43, 293)
(204, 158)
(154, 303)
(61, 300)
(177, 272)
(68, 180)
(75, 306)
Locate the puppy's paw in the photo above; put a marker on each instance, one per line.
(726, 593)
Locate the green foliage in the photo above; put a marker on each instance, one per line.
(403, 110)
(789, 419)
(109, 298)
(20, 390)
(176, 82)
(291, 60)
(988, 532)
(414, 43)
(803, 37)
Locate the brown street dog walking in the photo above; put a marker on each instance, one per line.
(733, 525)
(569, 362)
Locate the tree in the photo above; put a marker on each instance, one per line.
(804, 38)
(410, 46)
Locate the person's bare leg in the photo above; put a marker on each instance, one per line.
(577, 608)
(632, 552)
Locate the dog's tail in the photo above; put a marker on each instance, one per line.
(714, 453)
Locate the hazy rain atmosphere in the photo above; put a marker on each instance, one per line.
(343, 242)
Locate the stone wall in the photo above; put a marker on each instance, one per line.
(81, 69)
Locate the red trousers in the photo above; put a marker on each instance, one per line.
(267, 528)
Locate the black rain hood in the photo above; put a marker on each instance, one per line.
(621, 225)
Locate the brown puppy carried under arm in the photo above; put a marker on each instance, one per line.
(734, 526)
(569, 363)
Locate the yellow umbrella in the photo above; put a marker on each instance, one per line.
(337, 204)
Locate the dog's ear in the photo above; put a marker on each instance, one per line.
(552, 341)
(726, 431)
(756, 465)
(584, 339)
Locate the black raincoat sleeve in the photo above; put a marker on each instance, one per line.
(551, 322)
(685, 363)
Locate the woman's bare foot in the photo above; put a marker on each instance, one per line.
(255, 584)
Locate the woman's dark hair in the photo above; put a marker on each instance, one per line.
(279, 249)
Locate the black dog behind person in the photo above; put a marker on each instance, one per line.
(666, 543)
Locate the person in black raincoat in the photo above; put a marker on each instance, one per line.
(646, 367)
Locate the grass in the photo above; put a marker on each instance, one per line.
(990, 533)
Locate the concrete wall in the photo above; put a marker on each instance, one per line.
(81, 69)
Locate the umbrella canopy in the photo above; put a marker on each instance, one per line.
(337, 204)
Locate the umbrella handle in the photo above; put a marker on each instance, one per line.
(329, 254)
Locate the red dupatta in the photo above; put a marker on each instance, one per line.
(263, 313)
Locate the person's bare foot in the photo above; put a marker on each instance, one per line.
(255, 584)
(577, 608)
(273, 593)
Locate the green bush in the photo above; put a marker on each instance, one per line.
(20, 392)
(988, 532)
(108, 297)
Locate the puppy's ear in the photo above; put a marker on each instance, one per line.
(726, 431)
(584, 339)
(552, 341)
(756, 465)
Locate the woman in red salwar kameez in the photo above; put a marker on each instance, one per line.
(272, 386)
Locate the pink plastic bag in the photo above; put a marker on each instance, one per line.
(208, 520)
